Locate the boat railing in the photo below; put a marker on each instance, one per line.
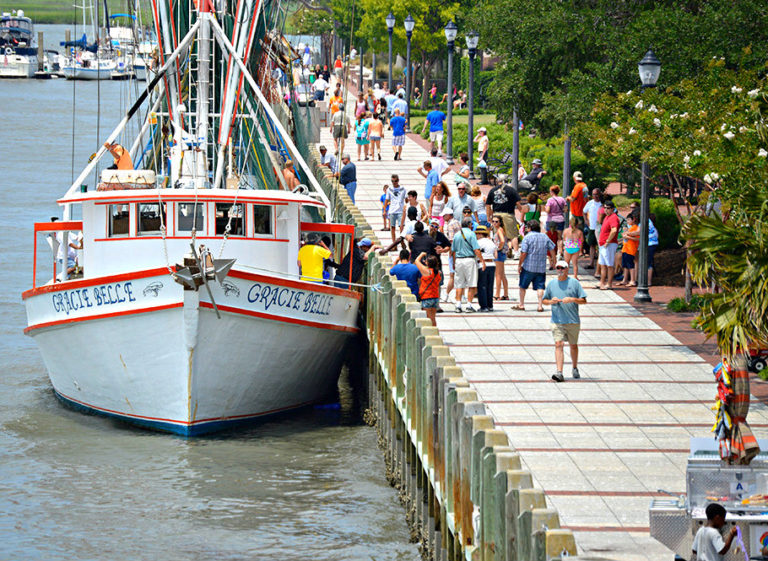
(51, 228)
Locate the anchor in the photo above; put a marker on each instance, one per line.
(199, 268)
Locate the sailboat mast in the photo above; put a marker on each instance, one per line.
(203, 91)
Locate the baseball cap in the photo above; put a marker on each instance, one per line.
(321, 148)
(482, 129)
(434, 222)
(577, 175)
(446, 211)
(537, 161)
(561, 263)
(365, 242)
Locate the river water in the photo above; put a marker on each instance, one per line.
(307, 485)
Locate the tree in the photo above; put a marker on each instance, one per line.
(428, 40)
(556, 58)
(713, 128)
(310, 19)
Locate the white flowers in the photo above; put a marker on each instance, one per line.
(653, 109)
(742, 129)
(753, 93)
(723, 127)
(657, 122)
(686, 159)
(729, 135)
(684, 115)
(614, 125)
(697, 152)
(711, 178)
(632, 131)
(674, 116)
(639, 104)
(708, 179)
(629, 92)
(736, 89)
(762, 153)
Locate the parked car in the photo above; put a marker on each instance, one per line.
(304, 95)
(758, 360)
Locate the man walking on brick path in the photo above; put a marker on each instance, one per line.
(339, 129)
(565, 295)
(466, 254)
(533, 262)
(398, 134)
(431, 176)
(396, 197)
(435, 120)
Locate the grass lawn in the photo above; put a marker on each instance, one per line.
(478, 121)
(56, 11)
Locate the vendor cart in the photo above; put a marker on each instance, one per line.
(741, 489)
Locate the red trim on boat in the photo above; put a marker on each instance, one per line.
(103, 316)
(302, 285)
(281, 319)
(74, 284)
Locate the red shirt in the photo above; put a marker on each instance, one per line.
(429, 286)
(609, 223)
(578, 202)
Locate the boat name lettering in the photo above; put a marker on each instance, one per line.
(289, 299)
(104, 295)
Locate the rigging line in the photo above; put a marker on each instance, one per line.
(74, 101)
(253, 146)
(98, 96)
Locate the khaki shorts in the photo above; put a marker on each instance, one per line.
(436, 136)
(511, 228)
(568, 332)
(466, 272)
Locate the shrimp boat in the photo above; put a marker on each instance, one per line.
(184, 311)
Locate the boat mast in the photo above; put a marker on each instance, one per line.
(203, 91)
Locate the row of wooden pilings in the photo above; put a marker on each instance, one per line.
(463, 487)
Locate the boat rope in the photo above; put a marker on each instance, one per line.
(74, 106)
(253, 147)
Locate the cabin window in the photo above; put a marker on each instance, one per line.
(262, 220)
(232, 217)
(118, 221)
(190, 216)
(151, 217)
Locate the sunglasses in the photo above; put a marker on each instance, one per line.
(462, 189)
(467, 212)
(561, 268)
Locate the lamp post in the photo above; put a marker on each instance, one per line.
(450, 36)
(390, 19)
(515, 147)
(649, 69)
(409, 23)
(472, 39)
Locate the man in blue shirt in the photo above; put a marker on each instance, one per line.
(348, 176)
(401, 105)
(398, 133)
(435, 120)
(565, 295)
(431, 176)
(406, 271)
(466, 255)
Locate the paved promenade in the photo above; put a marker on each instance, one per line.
(603, 446)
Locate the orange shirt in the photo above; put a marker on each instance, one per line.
(630, 245)
(429, 286)
(578, 202)
(334, 103)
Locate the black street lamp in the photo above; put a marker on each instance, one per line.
(472, 39)
(390, 19)
(409, 23)
(450, 35)
(649, 69)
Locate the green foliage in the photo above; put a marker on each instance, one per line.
(483, 81)
(679, 305)
(666, 222)
(556, 58)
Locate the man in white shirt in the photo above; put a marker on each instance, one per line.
(396, 197)
(327, 159)
(438, 164)
(378, 91)
(320, 86)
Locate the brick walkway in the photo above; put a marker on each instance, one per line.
(603, 446)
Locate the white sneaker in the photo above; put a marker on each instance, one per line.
(516, 256)
(471, 308)
(458, 308)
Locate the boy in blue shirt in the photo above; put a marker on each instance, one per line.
(398, 134)
(435, 119)
(406, 271)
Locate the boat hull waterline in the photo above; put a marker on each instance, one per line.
(140, 348)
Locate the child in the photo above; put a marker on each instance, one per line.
(573, 239)
(629, 250)
(553, 235)
(708, 545)
(385, 209)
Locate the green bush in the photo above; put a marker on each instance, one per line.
(678, 305)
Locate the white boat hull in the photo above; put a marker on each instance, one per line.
(17, 66)
(88, 73)
(150, 353)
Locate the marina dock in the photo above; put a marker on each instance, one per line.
(492, 458)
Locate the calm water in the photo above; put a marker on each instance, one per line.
(305, 486)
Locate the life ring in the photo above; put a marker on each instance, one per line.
(9, 51)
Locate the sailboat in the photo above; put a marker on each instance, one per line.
(85, 61)
(185, 310)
